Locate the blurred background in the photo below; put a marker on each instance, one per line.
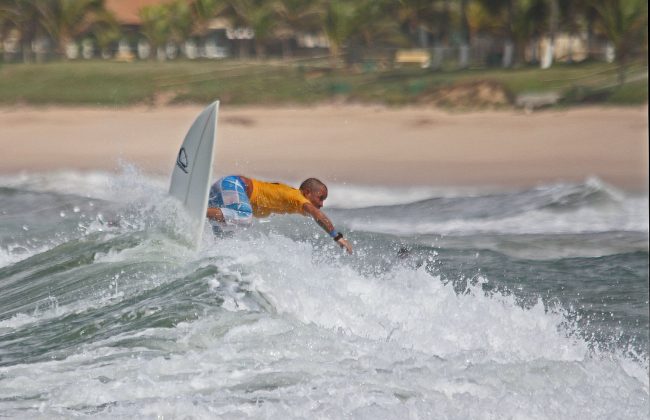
(450, 53)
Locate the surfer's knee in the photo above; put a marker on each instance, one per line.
(237, 217)
(244, 218)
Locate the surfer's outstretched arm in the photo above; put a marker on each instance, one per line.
(324, 222)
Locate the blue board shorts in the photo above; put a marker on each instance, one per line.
(229, 194)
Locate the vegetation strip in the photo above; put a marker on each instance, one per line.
(104, 83)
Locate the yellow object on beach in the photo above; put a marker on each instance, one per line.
(413, 56)
(269, 198)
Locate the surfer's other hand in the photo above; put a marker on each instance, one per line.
(345, 244)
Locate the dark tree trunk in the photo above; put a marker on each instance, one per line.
(286, 48)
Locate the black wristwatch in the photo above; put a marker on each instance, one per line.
(338, 236)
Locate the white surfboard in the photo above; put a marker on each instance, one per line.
(192, 173)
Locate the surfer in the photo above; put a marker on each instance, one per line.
(235, 200)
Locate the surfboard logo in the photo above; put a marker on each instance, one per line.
(181, 160)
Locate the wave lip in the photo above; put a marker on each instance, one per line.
(557, 209)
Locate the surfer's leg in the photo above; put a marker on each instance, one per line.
(229, 194)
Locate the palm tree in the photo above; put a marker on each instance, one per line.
(535, 19)
(156, 26)
(517, 21)
(464, 23)
(338, 18)
(180, 20)
(294, 16)
(499, 16)
(416, 15)
(571, 20)
(553, 26)
(65, 20)
(4, 21)
(374, 23)
(259, 16)
(590, 15)
(5, 24)
(106, 31)
(24, 16)
(624, 23)
(203, 11)
(356, 24)
(262, 20)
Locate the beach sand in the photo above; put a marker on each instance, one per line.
(344, 144)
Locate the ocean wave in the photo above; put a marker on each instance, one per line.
(556, 209)
(267, 318)
(126, 182)
(124, 319)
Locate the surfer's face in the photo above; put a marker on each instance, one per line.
(317, 196)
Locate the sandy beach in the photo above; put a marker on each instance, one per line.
(344, 144)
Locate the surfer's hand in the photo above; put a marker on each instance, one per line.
(345, 244)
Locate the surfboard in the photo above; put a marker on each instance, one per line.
(192, 173)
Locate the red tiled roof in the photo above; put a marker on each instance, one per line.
(126, 11)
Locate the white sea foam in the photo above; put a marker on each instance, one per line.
(405, 305)
(358, 196)
(630, 215)
(338, 344)
(8, 257)
(14, 253)
(92, 184)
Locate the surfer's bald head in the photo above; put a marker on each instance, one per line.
(315, 191)
(312, 184)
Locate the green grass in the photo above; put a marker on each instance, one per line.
(634, 93)
(106, 83)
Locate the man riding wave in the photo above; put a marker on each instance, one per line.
(235, 200)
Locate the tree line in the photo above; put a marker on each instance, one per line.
(347, 24)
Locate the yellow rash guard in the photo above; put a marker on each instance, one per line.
(271, 198)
